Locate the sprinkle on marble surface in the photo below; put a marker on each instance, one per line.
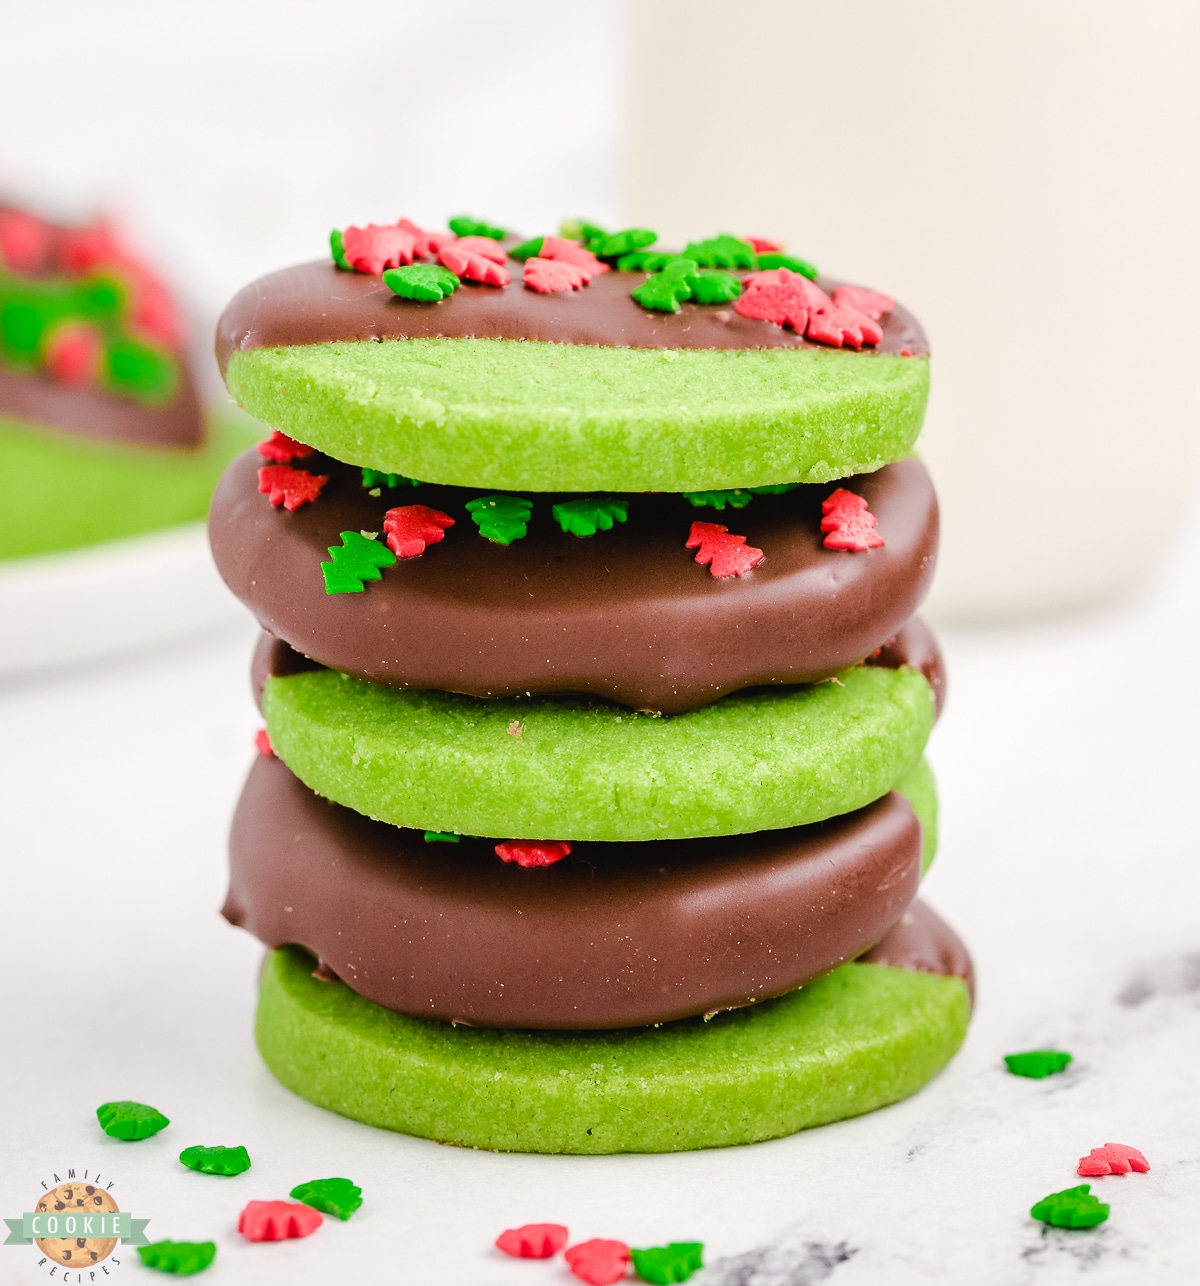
(336, 1196)
(183, 1258)
(1112, 1158)
(278, 1220)
(533, 1240)
(125, 1119)
(1071, 1208)
(599, 1262)
(216, 1160)
(675, 1262)
(1036, 1064)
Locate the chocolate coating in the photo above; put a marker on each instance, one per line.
(93, 413)
(316, 303)
(615, 935)
(626, 614)
(921, 940)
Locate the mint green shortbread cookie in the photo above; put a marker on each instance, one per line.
(855, 1040)
(502, 415)
(585, 770)
(62, 491)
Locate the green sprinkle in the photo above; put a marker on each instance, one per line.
(611, 245)
(424, 281)
(125, 1119)
(802, 266)
(24, 319)
(331, 1196)
(527, 249)
(181, 1257)
(99, 297)
(713, 286)
(462, 225)
(585, 516)
(774, 489)
(647, 261)
(501, 519)
(140, 370)
(377, 478)
(1037, 1063)
(672, 1263)
(722, 252)
(735, 498)
(439, 837)
(580, 230)
(217, 1160)
(1071, 1208)
(338, 250)
(357, 559)
(664, 291)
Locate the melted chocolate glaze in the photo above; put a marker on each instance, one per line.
(921, 940)
(39, 400)
(316, 303)
(615, 935)
(626, 614)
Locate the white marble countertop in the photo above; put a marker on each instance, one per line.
(1067, 761)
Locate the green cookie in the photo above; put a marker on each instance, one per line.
(533, 416)
(63, 490)
(859, 1038)
(585, 770)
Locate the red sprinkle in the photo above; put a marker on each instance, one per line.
(725, 553)
(563, 251)
(599, 1262)
(873, 303)
(906, 352)
(1113, 1158)
(786, 298)
(547, 276)
(289, 487)
(376, 247)
(280, 448)
(533, 1240)
(409, 529)
(427, 243)
(471, 265)
(489, 247)
(278, 1220)
(762, 246)
(262, 743)
(848, 522)
(533, 853)
(25, 241)
(74, 353)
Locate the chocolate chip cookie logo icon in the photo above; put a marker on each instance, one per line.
(76, 1224)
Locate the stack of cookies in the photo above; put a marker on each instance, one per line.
(591, 809)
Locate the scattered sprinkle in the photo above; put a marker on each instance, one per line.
(712, 286)
(533, 852)
(527, 249)
(377, 246)
(74, 352)
(337, 1197)
(501, 519)
(1071, 1208)
(411, 528)
(127, 1120)
(278, 1220)
(789, 299)
(561, 250)
(580, 230)
(180, 1257)
(472, 266)
(611, 245)
(533, 1240)
(874, 303)
(216, 1160)
(1038, 1063)
(722, 252)
(281, 449)
(763, 246)
(291, 488)
(1112, 1158)
(672, 1263)
(376, 478)
(424, 281)
(665, 290)
(586, 516)
(772, 259)
(735, 498)
(462, 225)
(337, 250)
(725, 553)
(356, 560)
(439, 837)
(848, 523)
(599, 1262)
(262, 743)
(549, 277)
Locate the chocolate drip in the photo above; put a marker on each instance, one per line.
(316, 303)
(921, 940)
(615, 935)
(92, 413)
(626, 615)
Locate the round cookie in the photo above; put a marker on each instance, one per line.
(863, 1036)
(626, 614)
(613, 935)
(556, 769)
(601, 394)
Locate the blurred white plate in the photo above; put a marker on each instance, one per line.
(87, 603)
